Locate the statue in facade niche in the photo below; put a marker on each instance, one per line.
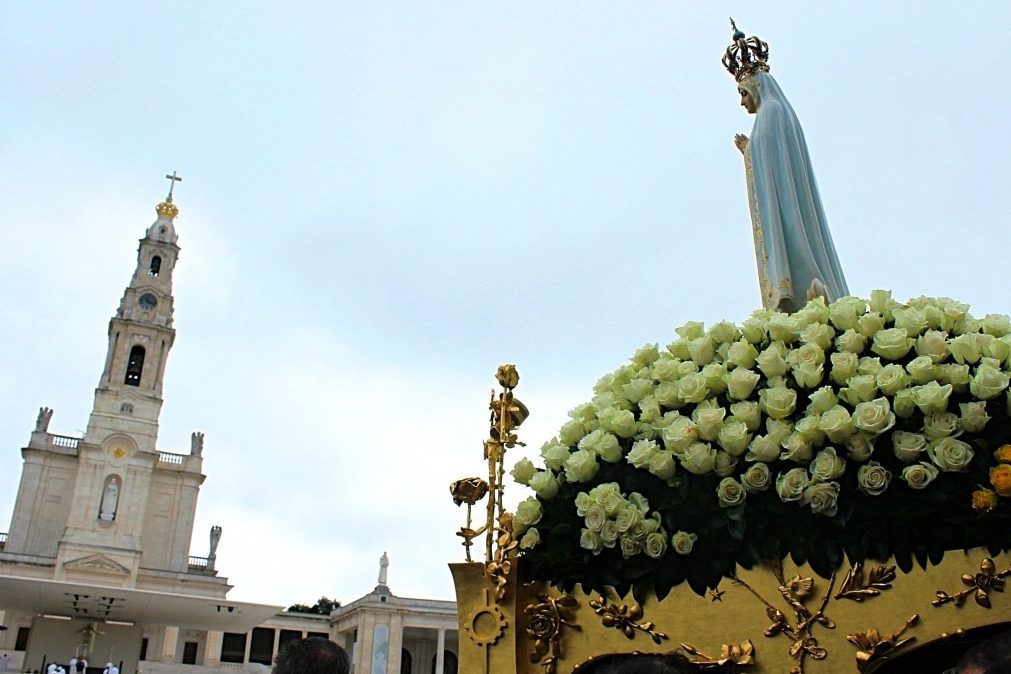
(796, 257)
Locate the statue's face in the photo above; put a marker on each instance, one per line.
(748, 101)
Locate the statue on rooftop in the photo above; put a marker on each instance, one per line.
(42, 421)
(796, 258)
(384, 564)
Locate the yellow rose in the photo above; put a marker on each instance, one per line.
(984, 500)
(1000, 478)
(1003, 454)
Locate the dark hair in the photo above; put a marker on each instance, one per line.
(311, 656)
(641, 663)
(992, 655)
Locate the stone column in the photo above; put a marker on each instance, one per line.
(169, 643)
(440, 652)
(396, 644)
(249, 643)
(212, 649)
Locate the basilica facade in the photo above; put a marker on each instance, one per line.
(96, 564)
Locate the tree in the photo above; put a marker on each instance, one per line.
(323, 606)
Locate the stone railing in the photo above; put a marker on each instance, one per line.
(198, 562)
(168, 457)
(64, 441)
(202, 565)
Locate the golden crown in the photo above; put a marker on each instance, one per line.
(167, 209)
(745, 56)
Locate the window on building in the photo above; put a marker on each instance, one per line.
(261, 646)
(449, 663)
(155, 267)
(134, 366)
(318, 635)
(286, 636)
(233, 647)
(21, 643)
(406, 662)
(190, 653)
(143, 649)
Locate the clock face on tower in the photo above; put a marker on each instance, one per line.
(147, 301)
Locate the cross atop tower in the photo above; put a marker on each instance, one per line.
(175, 179)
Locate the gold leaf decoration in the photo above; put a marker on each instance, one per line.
(625, 617)
(872, 647)
(732, 656)
(545, 620)
(978, 584)
(857, 588)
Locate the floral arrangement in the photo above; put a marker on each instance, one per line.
(864, 428)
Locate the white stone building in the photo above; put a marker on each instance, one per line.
(97, 562)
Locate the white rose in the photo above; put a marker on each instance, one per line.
(965, 348)
(933, 344)
(649, 409)
(637, 389)
(778, 430)
(691, 330)
(988, 382)
(753, 330)
(822, 497)
(881, 302)
(940, 425)
(708, 420)
(822, 400)
(791, 484)
(724, 332)
(749, 412)
(870, 323)
(554, 454)
(808, 375)
(762, 448)
(809, 429)
(742, 354)
(851, 341)
(628, 518)
(725, 464)
(860, 446)
(827, 465)
(874, 417)
(528, 513)
(530, 539)
(642, 451)
(545, 484)
(680, 434)
(998, 349)
(590, 540)
(783, 328)
(609, 533)
(572, 432)
(921, 369)
(618, 421)
(891, 379)
(950, 455)
(859, 388)
(701, 350)
(771, 361)
(997, 325)
(716, 377)
(777, 403)
(846, 311)
(630, 546)
(844, 366)
(974, 417)
(819, 334)
(523, 471)
(699, 458)
(693, 388)
(730, 492)
(756, 478)
(910, 319)
(683, 542)
(583, 503)
(919, 475)
(581, 466)
(665, 369)
(662, 465)
(646, 355)
(798, 449)
(656, 544)
(908, 447)
(892, 344)
(904, 403)
(869, 365)
(837, 424)
(956, 375)
(734, 437)
(873, 478)
(741, 382)
(931, 397)
(667, 395)
(603, 444)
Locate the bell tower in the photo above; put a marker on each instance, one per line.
(128, 399)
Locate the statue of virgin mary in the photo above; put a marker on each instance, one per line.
(796, 258)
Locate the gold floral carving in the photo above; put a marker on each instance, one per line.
(469, 490)
(980, 583)
(858, 588)
(736, 656)
(625, 617)
(545, 621)
(796, 592)
(872, 647)
(498, 568)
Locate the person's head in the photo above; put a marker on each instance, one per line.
(311, 656)
(653, 663)
(748, 89)
(990, 656)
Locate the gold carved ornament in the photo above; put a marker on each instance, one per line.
(858, 588)
(545, 620)
(625, 617)
(732, 656)
(872, 647)
(796, 592)
(980, 583)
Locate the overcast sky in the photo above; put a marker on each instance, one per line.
(383, 201)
